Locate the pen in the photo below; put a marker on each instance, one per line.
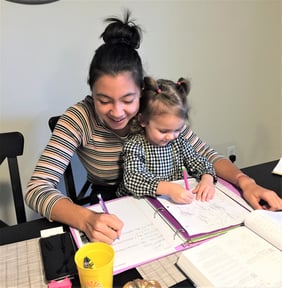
(185, 177)
(103, 204)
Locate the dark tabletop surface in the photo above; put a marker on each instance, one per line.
(262, 173)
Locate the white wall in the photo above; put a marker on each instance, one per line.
(230, 49)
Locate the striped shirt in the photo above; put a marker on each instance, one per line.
(79, 130)
(145, 164)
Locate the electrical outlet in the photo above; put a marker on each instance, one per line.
(231, 150)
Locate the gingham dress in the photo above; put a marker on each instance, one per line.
(145, 165)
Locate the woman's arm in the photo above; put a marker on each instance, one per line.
(225, 169)
(42, 193)
(252, 192)
(43, 196)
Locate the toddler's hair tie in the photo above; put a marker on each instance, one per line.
(178, 83)
(159, 91)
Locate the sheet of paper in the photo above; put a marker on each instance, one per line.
(144, 236)
(278, 168)
(201, 217)
(239, 258)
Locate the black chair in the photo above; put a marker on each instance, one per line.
(82, 197)
(11, 146)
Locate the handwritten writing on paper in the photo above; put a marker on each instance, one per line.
(201, 217)
(142, 235)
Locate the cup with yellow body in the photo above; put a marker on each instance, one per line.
(94, 263)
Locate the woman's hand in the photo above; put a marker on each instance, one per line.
(205, 189)
(257, 196)
(103, 227)
(97, 226)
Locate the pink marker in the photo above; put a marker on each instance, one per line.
(185, 177)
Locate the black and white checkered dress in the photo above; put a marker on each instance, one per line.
(145, 165)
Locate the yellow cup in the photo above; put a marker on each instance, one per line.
(100, 275)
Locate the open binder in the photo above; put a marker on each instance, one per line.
(154, 228)
(201, 220)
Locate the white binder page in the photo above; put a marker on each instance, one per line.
(202, 217)
(145, 236)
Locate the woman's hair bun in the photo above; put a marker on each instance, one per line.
(122, 32)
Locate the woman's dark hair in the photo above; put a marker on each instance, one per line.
(118, 53)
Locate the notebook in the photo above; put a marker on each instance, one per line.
(248, 256)
(154, 228)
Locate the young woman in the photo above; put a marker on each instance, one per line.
(155, 154)
(96, 129)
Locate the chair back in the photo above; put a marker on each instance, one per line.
(11, 146)
(82, 197)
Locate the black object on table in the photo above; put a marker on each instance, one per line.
(25, 231)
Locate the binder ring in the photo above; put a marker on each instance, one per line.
(158, 211)
(178, 231)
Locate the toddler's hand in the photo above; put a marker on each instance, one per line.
(176, 192)
(181, 195)
(205, 190)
